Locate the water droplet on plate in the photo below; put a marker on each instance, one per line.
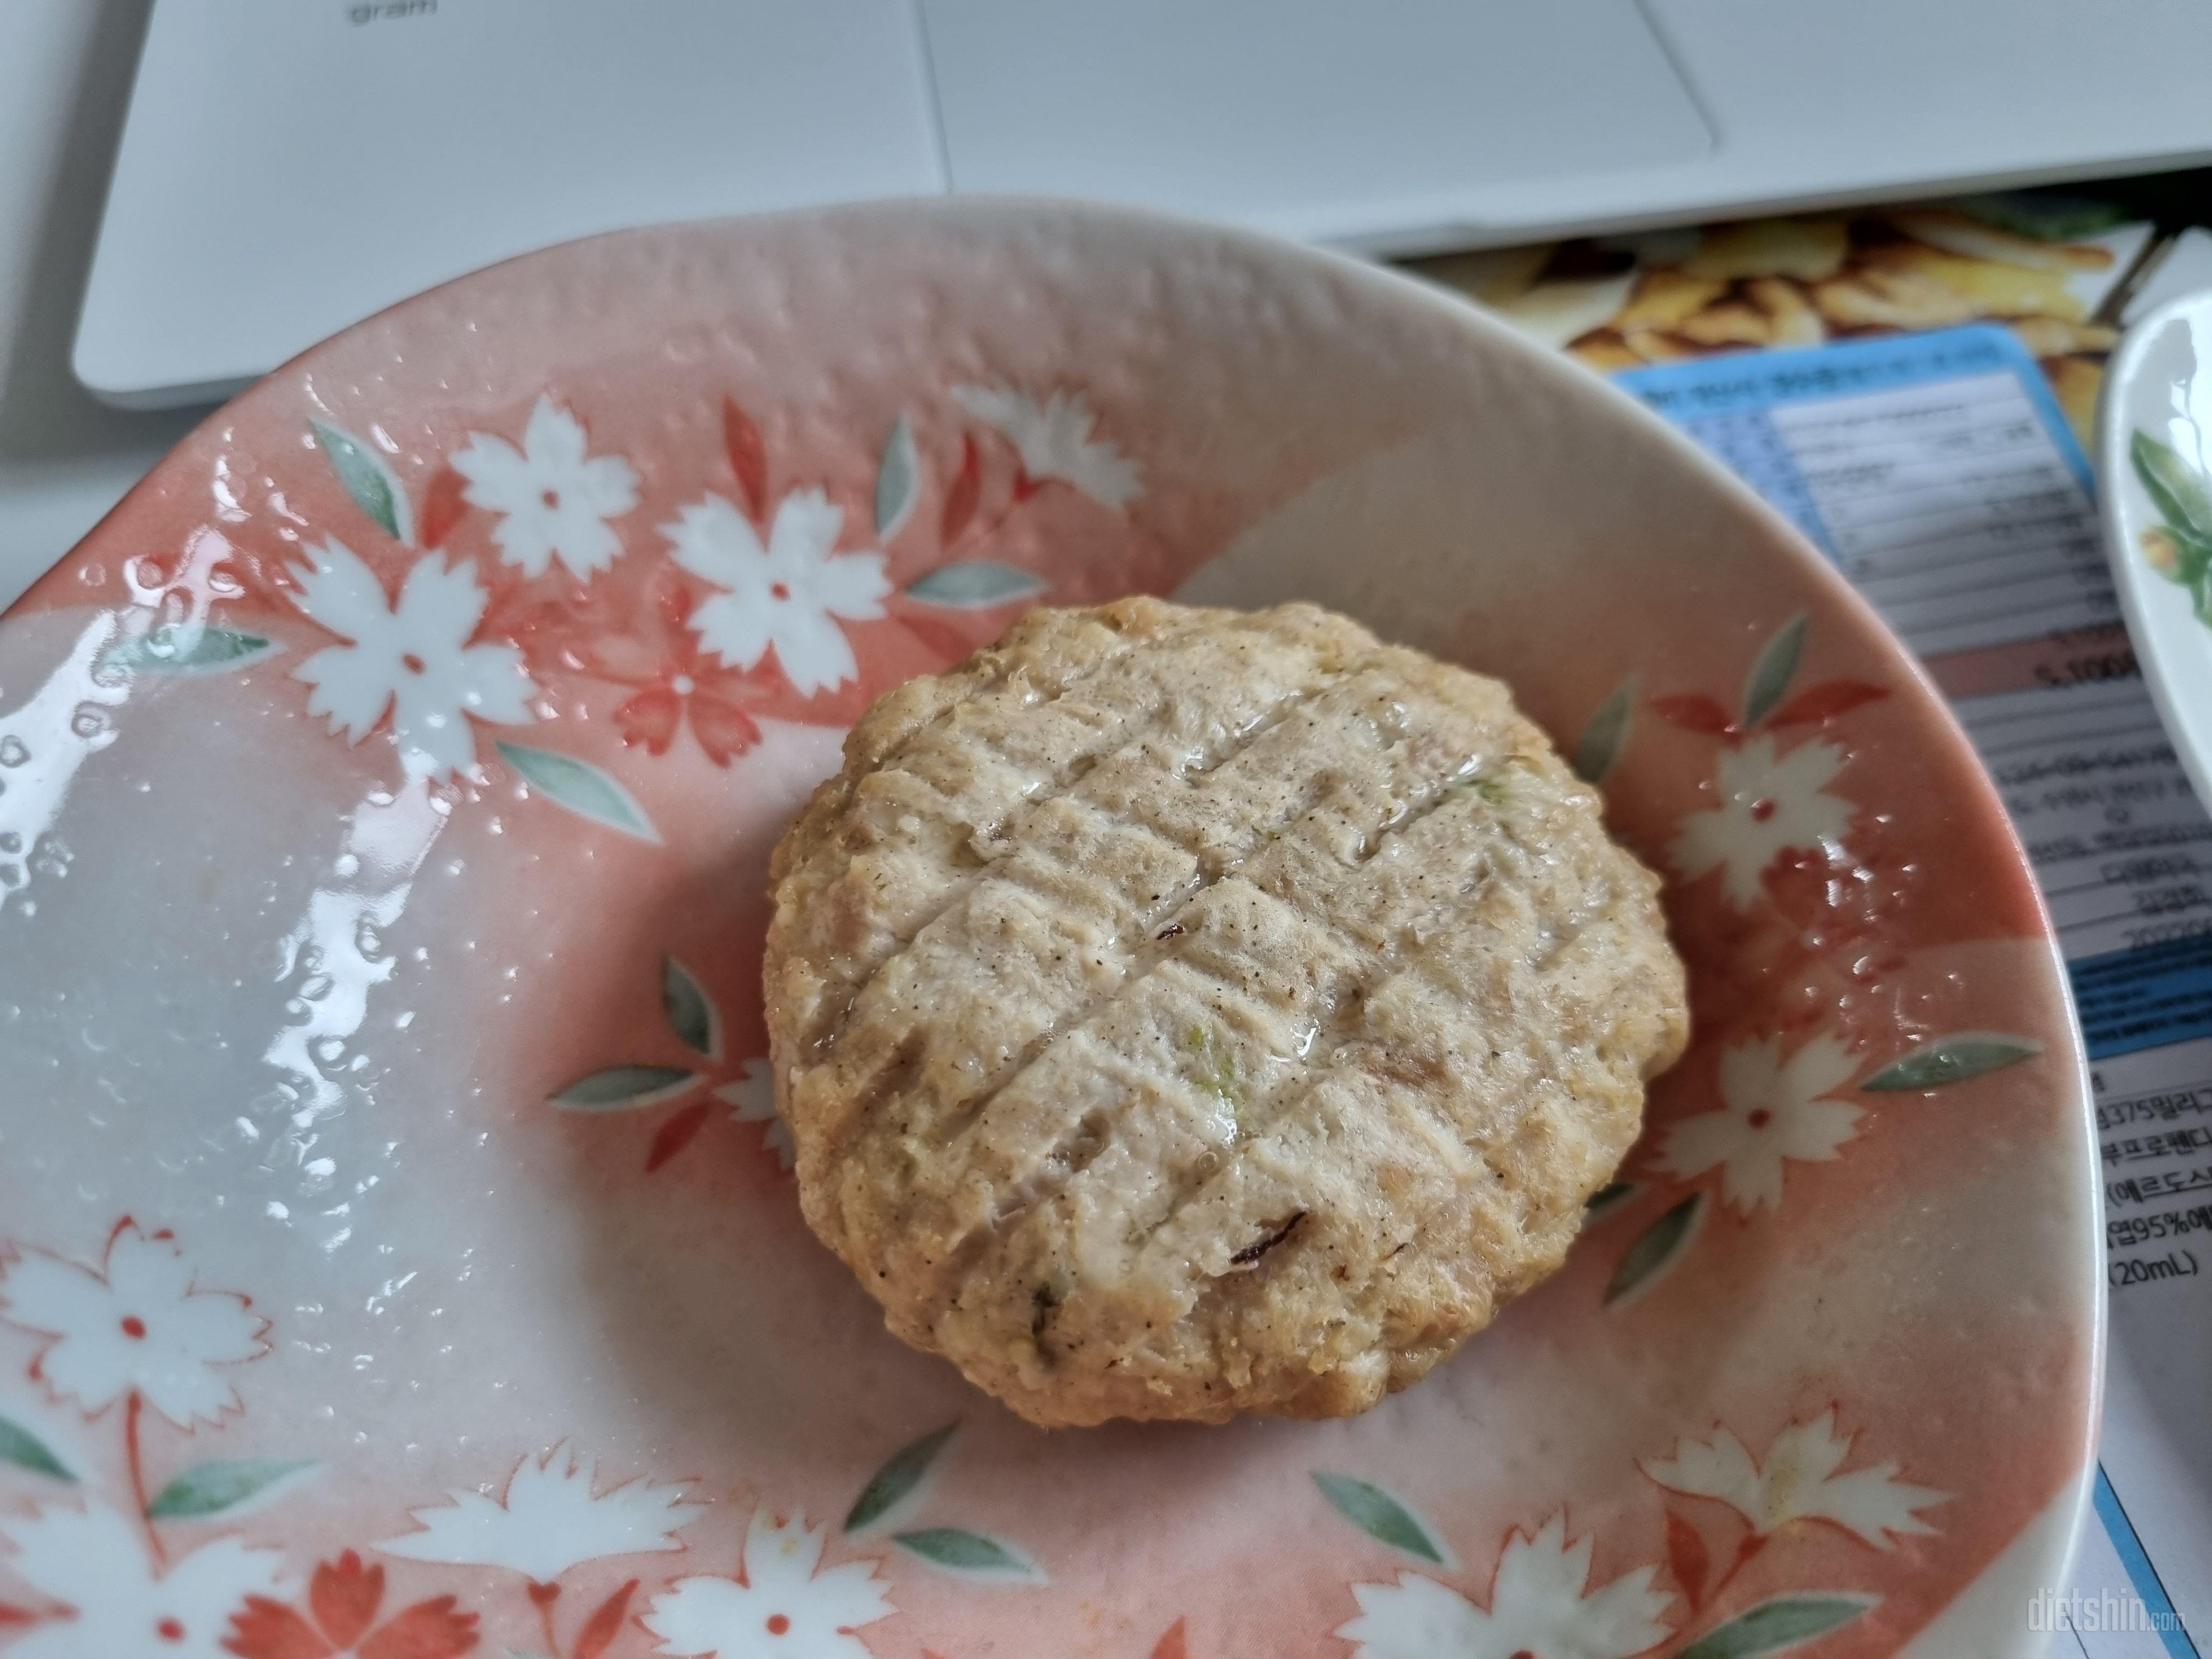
(13, 750)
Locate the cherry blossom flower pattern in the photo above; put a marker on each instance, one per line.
(553, 498)
(753, 1093)
(343, 1598)
(674, 681)
(1772, 1110)
(92, 1563)
(1771, 804)
(549, 1520)
(136, 1324)
(1541, 1605)
(1054, 440)
(1797, 1482)
(785, 597)
(778, 1603)
(411, 657)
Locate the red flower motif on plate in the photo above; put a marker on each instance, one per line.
(674, 681)
(342, 1600)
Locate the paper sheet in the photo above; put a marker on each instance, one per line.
(1938, 473)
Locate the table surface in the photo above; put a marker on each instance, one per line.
(65, 69)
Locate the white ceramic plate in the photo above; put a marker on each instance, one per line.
(2155, 465)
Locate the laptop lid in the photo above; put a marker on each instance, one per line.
(290, 165)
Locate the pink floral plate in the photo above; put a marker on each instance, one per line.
(398, 1255)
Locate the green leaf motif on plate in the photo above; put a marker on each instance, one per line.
(624, 1089)
(1771, 675)
(580, 787)
(1380, 1515)
(1606, 733)
(691, 1013)
(2192, 559)
(976, 585)
(19, 1446)
(898, 479)
(217, 1488)
(970, 1555)
(1657, 1248)
(373, 485)
(899, 1480)
(1949, 1059)
(1781, 1623)
(183, 648)
(1606, 1197)
(2180, 547)
(2178, 489)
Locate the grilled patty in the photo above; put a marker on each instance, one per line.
(1184, 1012)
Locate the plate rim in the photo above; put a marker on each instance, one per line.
(1493, 337)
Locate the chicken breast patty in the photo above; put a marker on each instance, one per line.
(1180, 1012)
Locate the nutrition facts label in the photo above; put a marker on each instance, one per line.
(1938, 473)
(1951, 507)
(2154, 1129)
(2107, 812)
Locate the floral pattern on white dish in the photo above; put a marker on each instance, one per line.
(345, 1614)
(1055, 440)
(1771, 801)
(1540, 1604)
(674, 682)
(551, 1518)
(552, 497)
(93, 1562)
(1796, 1480)
(1772, 1110)
(136, 1325)
(787, 596)
(780, 1602)
(415, 656)
(753, 1094)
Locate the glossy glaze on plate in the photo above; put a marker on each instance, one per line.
(398, 1247)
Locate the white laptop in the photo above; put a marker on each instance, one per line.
(290, 165)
